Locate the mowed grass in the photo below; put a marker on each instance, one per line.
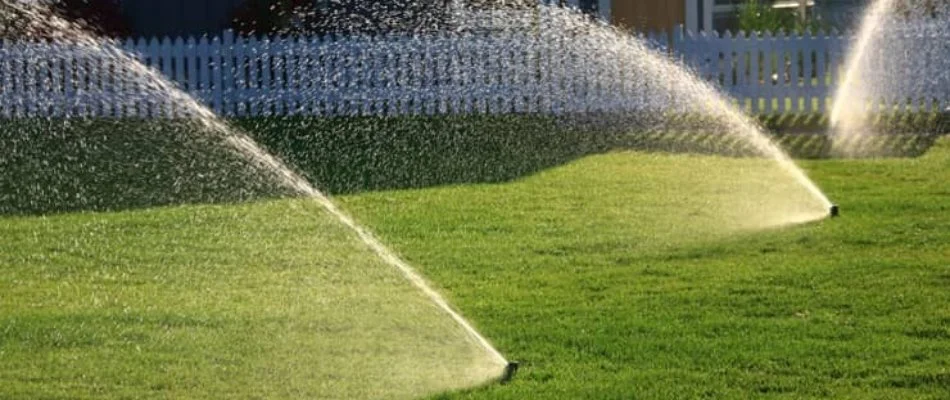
(265, 300)
(606, 280)
(625, 275)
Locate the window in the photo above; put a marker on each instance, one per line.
(725, 12)
(725, 15)
(589, 6)
(840, 13)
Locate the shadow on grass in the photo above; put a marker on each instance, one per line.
(357, 154)
(53, 166)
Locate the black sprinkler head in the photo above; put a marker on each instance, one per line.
(510, 371)
(834, 211)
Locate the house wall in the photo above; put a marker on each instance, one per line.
(648, 15)
(194, 17)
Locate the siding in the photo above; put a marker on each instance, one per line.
(649, 15)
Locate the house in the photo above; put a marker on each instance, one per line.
(719, 15)
(196, 17)
(842, 13)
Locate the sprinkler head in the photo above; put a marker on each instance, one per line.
(510, 371)
(834, 211)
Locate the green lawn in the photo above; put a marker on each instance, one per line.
(598, 279)
(270, 300)
(623, 275)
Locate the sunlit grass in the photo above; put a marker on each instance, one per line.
(266, 300)
(600, 279)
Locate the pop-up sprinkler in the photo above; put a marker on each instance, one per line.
(510, 371)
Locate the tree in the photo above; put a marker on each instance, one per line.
(268, 17)
(19, 20)
(102, 17)
(760, 16)
(756, 16)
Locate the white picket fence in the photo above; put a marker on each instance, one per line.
(769, 73)
(386, 75)
(434, 74)
(777, 73)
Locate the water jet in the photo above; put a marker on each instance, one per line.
(623, 78)
(893, 79)
(208, 128)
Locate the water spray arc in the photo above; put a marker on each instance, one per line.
(891, 99)
(847, 112)
(660, 95)
(716, 109)
(248, 148)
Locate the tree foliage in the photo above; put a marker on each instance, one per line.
(102, 17)
(53, 19)
(759, 16)
(268, 17)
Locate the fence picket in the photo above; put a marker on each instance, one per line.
(224, 69)
(6, 89)
(241, 77)
(267, 55)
